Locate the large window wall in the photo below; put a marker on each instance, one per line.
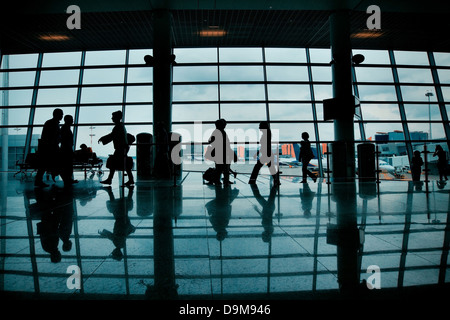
(404, 95)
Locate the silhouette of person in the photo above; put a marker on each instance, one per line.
(119, 138)
(268, 208)
(56, 221)
(221, 153)
(416, 166)
(219, 209)
(306, 155)
(48, 149)
(67, 152)
(306, 199)
(265, 155)
(442, 162)
(122, 224)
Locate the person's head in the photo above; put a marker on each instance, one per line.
(68, 119)
(58, 114)
(305, 136)
(116, 116)
(83, 146)
(264, 125)
(417, 153)
(221, 124)
(439, 148)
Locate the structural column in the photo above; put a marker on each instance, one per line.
(344, 169)
(162, 74)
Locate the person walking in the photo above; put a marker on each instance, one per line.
(442, 162)
(416, 166)
(306, 155)
(48, 148)
(265, 155)
(221, 152)
(67, 152)
(119, 138)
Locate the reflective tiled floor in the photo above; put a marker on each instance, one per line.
(194, 240)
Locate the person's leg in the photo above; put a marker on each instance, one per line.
(255, 172)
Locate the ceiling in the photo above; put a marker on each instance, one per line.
(116, 24)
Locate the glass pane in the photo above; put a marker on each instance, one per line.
(59, 77)
(245, 132)
(61, 59)
(17, 79)
(322, 92)
(320, 55)
(422, 112)
(288, 92)
(321, 73)
(377, 131)
(290, 111)
(89, 135)
(195, 93)
(444, 76)
(242, 92)
(191, 55)
(97, 114)
(326, 131)
(415, 93)
(411, 57)
(100, 76)
(140, 94)
(380, 112)
(137, 56)
(442, 58)
(21, 61)
(240, 54)
(102, 95)
(287, 73)
(374, 56)
(373, 74)
(18, 97)
(239, 112)
(204, 73)
(446, 93)
(377, 93)
(292, 131)
(136, 75)
(138, 113)
(57, 96)
(295, 55)
(17, 117)
(105, 57)
(415, 75)
(195, 112)
(241, 73)
(44, 114)
(420, 131)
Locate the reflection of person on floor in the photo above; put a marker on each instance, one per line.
(306, 198)
(48, 149)
(122, 225)
(268, 208)
(219, 209)
(56, 221)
